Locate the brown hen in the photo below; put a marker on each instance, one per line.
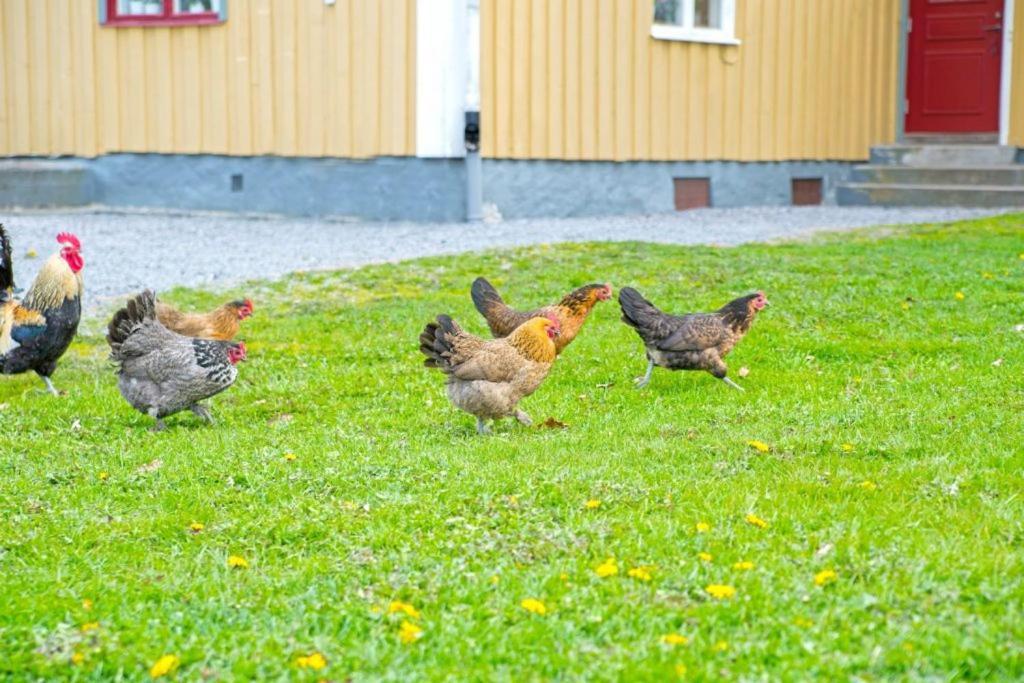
(488, 378)
(571, 312)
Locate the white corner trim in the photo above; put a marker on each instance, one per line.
(441, 76)
(1006, 74)
(692, 35)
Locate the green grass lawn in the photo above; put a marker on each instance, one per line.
(896, 460)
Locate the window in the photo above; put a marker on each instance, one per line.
(161, 12)
(702, 21)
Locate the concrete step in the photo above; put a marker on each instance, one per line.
(943, 155)
(1009, 175)
(44, 183)
(890, 194)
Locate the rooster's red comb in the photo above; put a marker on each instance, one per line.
(69, 240)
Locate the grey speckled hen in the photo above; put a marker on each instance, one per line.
(163, 372)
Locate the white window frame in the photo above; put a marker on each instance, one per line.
(690, 33)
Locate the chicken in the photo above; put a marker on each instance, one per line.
(697, 341)
(17, 323)
(488, 378)
(161, 372)
(36, 332)
(220, 323)
(571, 312)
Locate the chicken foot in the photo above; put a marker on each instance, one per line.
(203, 412)
(733, 384)
(641, 382)
(523, 418)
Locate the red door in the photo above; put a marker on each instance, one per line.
(953, 64)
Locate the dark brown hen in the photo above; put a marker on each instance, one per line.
(695, 341)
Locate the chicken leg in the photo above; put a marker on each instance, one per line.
(481, 427)
(159, 426)
(49, 386)
(641, 382)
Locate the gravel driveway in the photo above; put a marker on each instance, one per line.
(127, 251)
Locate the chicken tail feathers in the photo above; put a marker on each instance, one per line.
(6, 267)
(435, 344)
(485, 297)
(138, 311)
(637, 311)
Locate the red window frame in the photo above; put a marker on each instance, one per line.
(166, 18)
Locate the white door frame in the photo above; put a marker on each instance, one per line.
(1006, 74)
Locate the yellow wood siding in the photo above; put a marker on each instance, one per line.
(583, 79)
(1017, 76)
(286, 77)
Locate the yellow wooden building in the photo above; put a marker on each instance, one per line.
(357, 106)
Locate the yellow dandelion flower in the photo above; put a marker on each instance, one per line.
(1022, 256)
(847, 448)
(495, 579)
(640, 573)
(104, 476)
(90, 626)
(909, 647)
(237, 562)
(824, 577)
(592, 504)
(674, 639)
(720, 646)
(759, 445)
(959, 296)
(987, 275)
(705, 557)
(403, 607)
(513, 500)
(720, 592)
(409, 632)
(868, 485)
(680, 670)
(534, 606)
(703, 527)
(164, 666)
(376, 609)
(315, 661)
(744, 565)
(803, 622)
(563, 576)
(290, 457)
(607, 568)
(87, 604)
(195, 527)
(77, 658)
(905, 306)
(754, 520)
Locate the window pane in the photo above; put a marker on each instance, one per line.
(196, 6)
(140, 7)
(707, 13)
(667, 12)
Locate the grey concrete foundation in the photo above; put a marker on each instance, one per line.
(395, 188)
(593, 188)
